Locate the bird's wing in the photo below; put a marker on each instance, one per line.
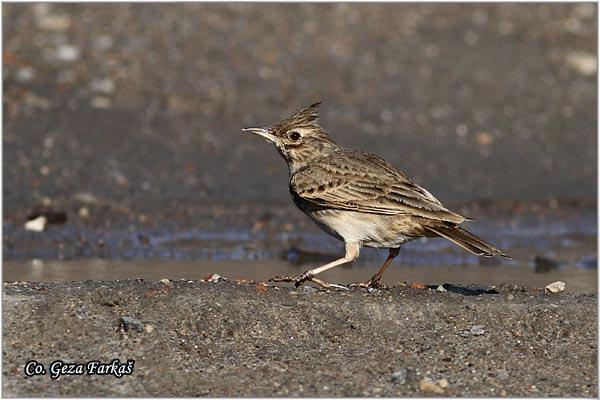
(366, 183)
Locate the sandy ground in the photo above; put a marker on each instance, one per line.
(225, 339)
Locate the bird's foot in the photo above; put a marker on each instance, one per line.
(328, 285)
(298, 279)
(373, 283)
(306, 276)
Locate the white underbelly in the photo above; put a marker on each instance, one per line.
(370, 230)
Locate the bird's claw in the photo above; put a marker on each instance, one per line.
(373, 283)
(328, 285)
(298, 280)
(303, 277)
(306, 276)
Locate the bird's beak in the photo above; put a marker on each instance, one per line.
(264, 132)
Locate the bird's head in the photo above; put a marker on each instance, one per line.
(299, 138)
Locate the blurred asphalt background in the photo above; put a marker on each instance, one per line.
(142, 104)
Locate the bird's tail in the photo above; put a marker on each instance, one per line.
(467, 240)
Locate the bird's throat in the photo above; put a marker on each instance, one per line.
(302, 156)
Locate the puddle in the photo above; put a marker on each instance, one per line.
(522, 239)
(544, 249)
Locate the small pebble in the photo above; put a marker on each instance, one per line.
(418, 285)
(502, 374)
(53, 22)
(462, 130)
(36, 225)
(67, 53)
(25, 74)
(440, 288)
(102, 85)
(428, 386)
(36, 262)
(555, 287)
(477, 330)
(130, 323)
(214, 278)
(582, 62)
(399, 376)
(484, 138)
(85, 197)
(49, 142)
(262, 287)
(101, 102)
(167, 285)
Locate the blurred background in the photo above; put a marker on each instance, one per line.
(122, 127)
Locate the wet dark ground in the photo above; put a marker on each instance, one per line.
(122, 122)
(560, 243)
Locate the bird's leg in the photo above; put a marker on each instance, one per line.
(375, 281)
(352, 251)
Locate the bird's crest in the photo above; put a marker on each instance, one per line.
(309, 114)
(305, 117)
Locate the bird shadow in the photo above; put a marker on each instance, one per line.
(470, 290)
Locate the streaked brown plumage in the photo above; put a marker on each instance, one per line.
(358, 197)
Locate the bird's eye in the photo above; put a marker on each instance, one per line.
(294, 135)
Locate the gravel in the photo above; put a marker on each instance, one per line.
(228, 339)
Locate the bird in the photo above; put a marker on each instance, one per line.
(359, 198)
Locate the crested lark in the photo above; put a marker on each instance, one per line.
(358, 197)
